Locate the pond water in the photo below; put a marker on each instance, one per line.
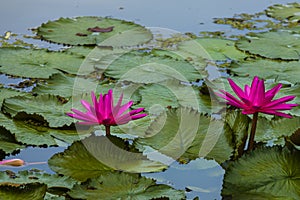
(179, 16)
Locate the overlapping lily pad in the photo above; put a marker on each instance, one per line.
(267, 69)
(280, 45)
(209, 48)
(173, 94)
(96, 155)
(33, 132)
(290, 12)
(94, 31)
(276, 130)
(38, 63)
(49, 107)
(24, 177)
(66, 86)
(8, 142)
(35, 191)
(185, 134)
(145, 68)
(266, 173)
(124, 186)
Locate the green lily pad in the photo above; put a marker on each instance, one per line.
(34, 191)
(38, 63)
(267, 69)
(65, 86)
(32, 132)
(7, 93)
(50, 107)
(276, 130)
(145, 68)
(290, 12)
(8, 142)
(124, 186)
(96, 155)
(266, 173)
(185, 134)
(173, 94)
(280, 45)
(209, 48)
(94, 31)
(25, 177)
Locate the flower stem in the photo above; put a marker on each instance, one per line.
(107, 130)
(252, 134)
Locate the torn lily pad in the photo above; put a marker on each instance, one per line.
(279, 45)
(94, 31)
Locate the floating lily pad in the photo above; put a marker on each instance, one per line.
(276, 130)
(290, 12)
(146, 68)
(7, 93)
(34, 191)
(50, 107)
(98, 154)
(185, 134)
(8, 142)
(266, 173)
(25, 177)
(280, 45)
(65, 86)
(124, 186)
(209, 48)
(173, 94)
(38, 63)
(31, 132)
(94, 31)
(267, 69)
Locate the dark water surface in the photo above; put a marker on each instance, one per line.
(203, 177)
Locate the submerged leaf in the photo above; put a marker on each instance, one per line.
(124, 186)
(266, 173)
(96, 155)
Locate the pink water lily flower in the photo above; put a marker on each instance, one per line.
(255, 99)
(104, 112)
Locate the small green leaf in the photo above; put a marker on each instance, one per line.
(124, 186)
